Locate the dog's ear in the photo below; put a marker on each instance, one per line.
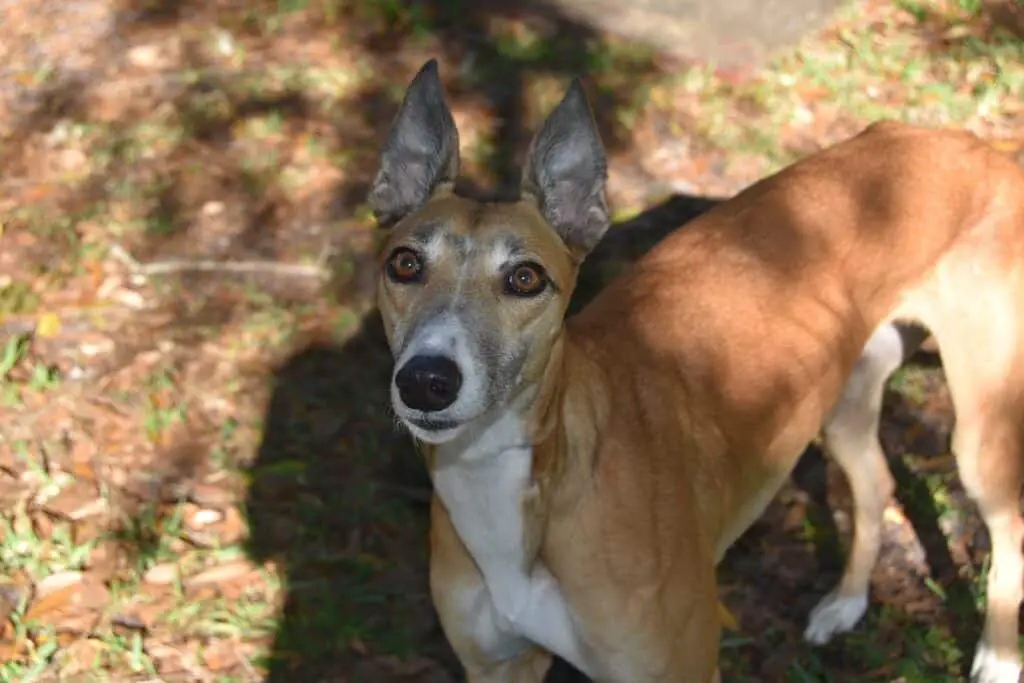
(566, 173)
(421, 152)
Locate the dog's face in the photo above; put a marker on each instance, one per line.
(472, 294)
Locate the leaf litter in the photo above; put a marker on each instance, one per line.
(134, 390)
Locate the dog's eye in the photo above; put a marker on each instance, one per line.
(405, 266)
(526, 279)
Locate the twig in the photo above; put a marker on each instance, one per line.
(318, 271)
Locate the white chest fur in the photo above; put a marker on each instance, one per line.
(483, 479)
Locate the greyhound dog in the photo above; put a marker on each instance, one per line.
(589, 473)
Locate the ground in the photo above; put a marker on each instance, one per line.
(199, 476)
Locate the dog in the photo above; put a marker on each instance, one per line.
(590, 472)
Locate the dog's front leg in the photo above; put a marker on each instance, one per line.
(484, 646)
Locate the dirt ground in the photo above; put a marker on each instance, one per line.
(200, 479)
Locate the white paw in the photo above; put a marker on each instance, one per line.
(990, 667)
(834, 614)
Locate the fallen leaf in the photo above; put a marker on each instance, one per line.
(895, 515)
(103, 559)
(48, 325)
(170, 661)
(129, 620)
(57, 582)
(81, 656)
(161, 573)
(358, 646)
(10, 491)
(76, 502)
(9, 651)
(1010, 146)
(56, 600)
(224, 572)
(42, 525)
(220, 655)
(87, 531)
(727, 618)
(94, 593)
(211, 496)
(232, 528)
(196, 518)
(76, 622)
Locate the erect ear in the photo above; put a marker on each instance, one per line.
(421, 152)
(566, 173)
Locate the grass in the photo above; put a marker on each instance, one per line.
(161, 430)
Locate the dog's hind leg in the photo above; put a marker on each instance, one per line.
(850, 436)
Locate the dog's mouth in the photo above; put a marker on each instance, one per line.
(429, 424)
(433, 430)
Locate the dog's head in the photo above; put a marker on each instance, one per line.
(472, 293)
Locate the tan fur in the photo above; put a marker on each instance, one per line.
(671, 409)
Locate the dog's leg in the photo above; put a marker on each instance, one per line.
(488, 653)
(983, 361)
(851, 437)
(987, 444)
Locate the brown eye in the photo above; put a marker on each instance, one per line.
(527, 279)
(405, 266)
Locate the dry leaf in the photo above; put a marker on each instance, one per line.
(48, 325)
(161, 574)
(894, 515)
(10, 491)
(76, 622)
(94, 593)
(55, 600)
(211, 496)
(76, 502)
(196, 518)
(42, 525)
(1008, 146)
(224, 572)
(233, 527)
(168, 659)
(57, 582)
(9, 651)
(70, 606)
(80, 656)
(87, 531)
(358, 646)
(103, 559)
(220, 655)
(727, 618)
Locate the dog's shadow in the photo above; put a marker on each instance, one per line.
(338, 497)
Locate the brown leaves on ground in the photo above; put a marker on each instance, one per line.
(134, 404)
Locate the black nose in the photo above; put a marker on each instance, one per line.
(429, 383)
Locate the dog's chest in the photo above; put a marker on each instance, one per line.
(484, 483)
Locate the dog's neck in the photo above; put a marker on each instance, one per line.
(527, 437)
(491, 435)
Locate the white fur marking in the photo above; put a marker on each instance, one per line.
(989, 667)
(483, 477)
(835, 614)
(434, 247)
(499, 256)
(444, 335)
